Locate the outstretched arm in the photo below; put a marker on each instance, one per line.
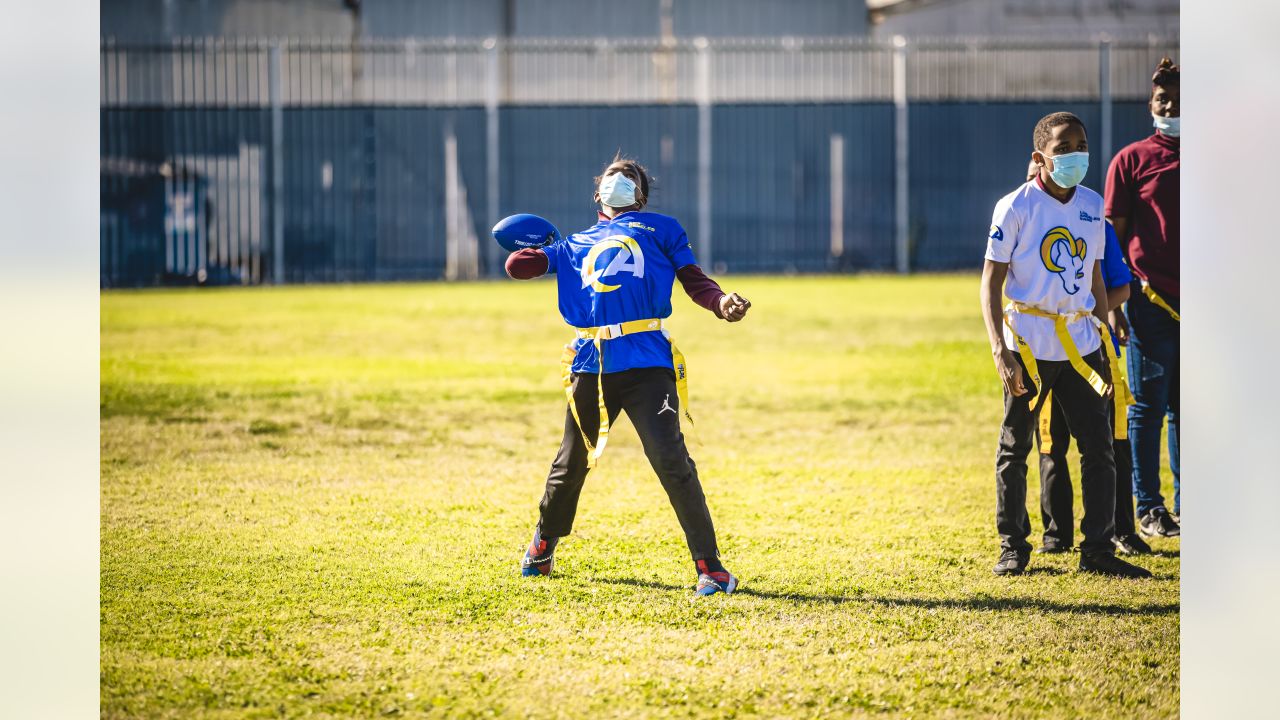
(526, 264)
(706, 292)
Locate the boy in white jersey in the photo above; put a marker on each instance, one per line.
(1044, 247)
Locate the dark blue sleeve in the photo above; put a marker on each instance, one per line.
(1115, 272)
(675, 243)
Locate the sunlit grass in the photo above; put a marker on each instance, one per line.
(314, 500)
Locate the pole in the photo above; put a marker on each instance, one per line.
(665, 56)
(902, 217)
(704, 152)
(277, 164)
(492, 145)
(1104, 91)
(837, 196)
(452, 219)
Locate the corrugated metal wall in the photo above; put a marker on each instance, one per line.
(162, 20)
(187, 163)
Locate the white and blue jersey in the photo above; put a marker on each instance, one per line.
(617, 271)
(1051, 248)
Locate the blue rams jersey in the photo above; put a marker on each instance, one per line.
(617, 271)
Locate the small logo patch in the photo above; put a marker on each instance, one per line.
(666, 405)
(996, 233)
(1087, 217)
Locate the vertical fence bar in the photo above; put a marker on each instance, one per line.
(1104, 92)
(704, 152)
(493, 141)
(210, 231)
(184, 125)
(277, 164)
(837, 196)
(452, 221)
(901, 142)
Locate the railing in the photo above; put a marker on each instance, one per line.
(236, 72)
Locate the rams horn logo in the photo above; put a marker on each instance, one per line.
(629, 258)
(1063, 255)
(996, 233)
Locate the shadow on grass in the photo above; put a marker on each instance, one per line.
(970, 603)
(1040, 570)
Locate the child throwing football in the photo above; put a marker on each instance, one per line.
(614, 281)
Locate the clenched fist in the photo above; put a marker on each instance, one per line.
(733, 307)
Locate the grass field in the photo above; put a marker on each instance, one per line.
(314, 501)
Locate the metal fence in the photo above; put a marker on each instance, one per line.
(250, 161)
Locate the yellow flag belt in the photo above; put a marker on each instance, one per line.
(599, 335)
(1123, 398)
(1159, 301)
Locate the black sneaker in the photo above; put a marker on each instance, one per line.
(1158, 523)
(1131, 544)
(1012, 562)
(1052, 549)
(1104, 564)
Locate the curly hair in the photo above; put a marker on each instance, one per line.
(1044, 129)
(1166, 74)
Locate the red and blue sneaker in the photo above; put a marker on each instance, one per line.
(540, 556)
(713, 578)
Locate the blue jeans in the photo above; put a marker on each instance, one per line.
(1153, 377)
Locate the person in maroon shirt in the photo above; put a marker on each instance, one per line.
(1142, 203)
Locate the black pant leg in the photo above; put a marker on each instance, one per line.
(559, 503)
(1017, 431)
(1055, 477)
(1088, 415)
(653, 405)
(1124, 486)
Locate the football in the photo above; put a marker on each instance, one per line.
(518, 232)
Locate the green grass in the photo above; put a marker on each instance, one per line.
(314, 500)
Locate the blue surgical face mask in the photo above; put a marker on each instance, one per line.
(617, 191)
(1170, 126)
(1069, 169)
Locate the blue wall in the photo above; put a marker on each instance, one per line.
(966, 156)
(382, 217)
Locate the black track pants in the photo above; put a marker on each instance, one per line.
(1055, 482)
(648, 395)
(1088, 416)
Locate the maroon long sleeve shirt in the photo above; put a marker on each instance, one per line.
(532, 262)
